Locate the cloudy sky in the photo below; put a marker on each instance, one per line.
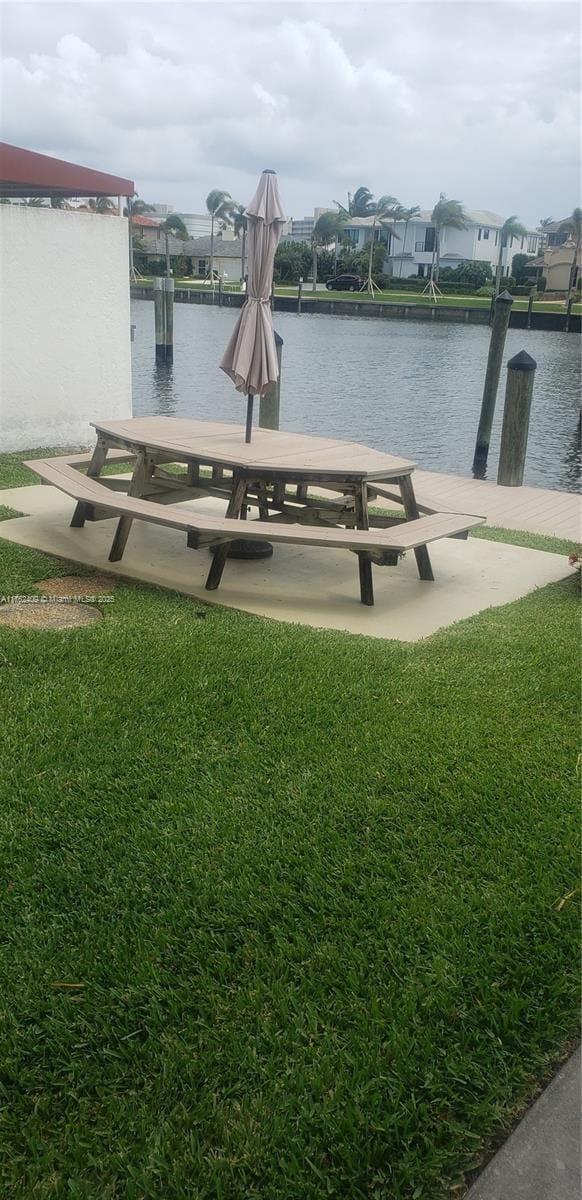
(479, 100)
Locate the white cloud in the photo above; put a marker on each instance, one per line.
(478, 99)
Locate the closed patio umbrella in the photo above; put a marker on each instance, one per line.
(250, 358)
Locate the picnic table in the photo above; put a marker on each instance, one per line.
(306, 489)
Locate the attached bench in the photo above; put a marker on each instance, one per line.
(382, 546)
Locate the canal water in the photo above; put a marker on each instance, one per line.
(405, 387)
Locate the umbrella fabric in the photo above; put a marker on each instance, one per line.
(250, 358)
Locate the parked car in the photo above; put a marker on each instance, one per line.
(344, 283)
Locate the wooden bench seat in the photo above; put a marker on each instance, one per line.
(382, 544)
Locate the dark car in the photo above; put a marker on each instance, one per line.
(344, 283)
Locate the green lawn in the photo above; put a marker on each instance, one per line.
(520, 303)
(280, 906)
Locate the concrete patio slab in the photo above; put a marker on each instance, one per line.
(298, 584)
(541, 1159)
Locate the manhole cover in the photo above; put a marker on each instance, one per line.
(76, 585)
(45, 615)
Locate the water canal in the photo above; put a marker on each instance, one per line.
(405, 387)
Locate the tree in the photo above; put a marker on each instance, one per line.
(511, 228)
(102, 204)
(326, 231)
(292, 261)
(59, 202)
(406, 215)
(384, 208)
(218, 204)
(445, 214)
(239, 227)
(361, 204)
(175, 226)
(35, 202)
(574, 226)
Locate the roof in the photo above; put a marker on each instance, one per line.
(232, 248)
(25, 173)
(145, 222)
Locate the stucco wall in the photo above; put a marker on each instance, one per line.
(64, 325)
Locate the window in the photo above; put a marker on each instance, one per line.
(429, 238)
(202, 266)
(479, 235)
(485, 235)
(522, 243)
(496, 236)
(421, 270)
(532, 243)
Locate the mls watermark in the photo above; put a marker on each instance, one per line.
(100, 598)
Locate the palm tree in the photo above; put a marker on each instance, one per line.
(407, 215)
(175, 226)
(324, 233)
(574, 226)
(384, 208)
(511, 228)
(361, 204)
(59, 202)
(35, 202)
(218, 204)
(239, 226)
(102, 204)
(445, 214)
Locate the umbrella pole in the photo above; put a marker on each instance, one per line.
(249, 426)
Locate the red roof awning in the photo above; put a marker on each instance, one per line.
(25, 173)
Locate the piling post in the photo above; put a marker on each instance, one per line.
(530, 305)
(521, 371)
(503, 304)
(169, 314)
(568, 314)
(271, 398)
(299, 294)
(160, 319)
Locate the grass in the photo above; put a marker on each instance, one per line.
(281, 906)
(520, 303)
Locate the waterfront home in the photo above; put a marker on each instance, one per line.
(409, 248)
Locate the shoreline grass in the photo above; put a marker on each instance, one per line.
(520, 303)
(282, 906)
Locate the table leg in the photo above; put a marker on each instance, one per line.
(235, 505)
(142, 472)
(364, 560)
(411, 509)
(94, 470)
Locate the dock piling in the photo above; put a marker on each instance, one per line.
(503, 303)
(518, 396)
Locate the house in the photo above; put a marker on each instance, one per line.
(227, 249)
(409, 248)
(556, 263)
(64, 297)
(197, 224)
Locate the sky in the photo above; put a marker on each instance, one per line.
(479, 100)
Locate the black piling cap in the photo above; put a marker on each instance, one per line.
(505, 296)
(522, 362)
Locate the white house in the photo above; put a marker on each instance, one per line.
(64, 298)
(409, 248)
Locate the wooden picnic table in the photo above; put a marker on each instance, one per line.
(273, 473)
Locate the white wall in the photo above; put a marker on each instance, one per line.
(64, 325)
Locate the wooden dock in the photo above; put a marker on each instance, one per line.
(536, 510)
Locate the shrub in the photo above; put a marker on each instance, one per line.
(486, 290)
(542, 283)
